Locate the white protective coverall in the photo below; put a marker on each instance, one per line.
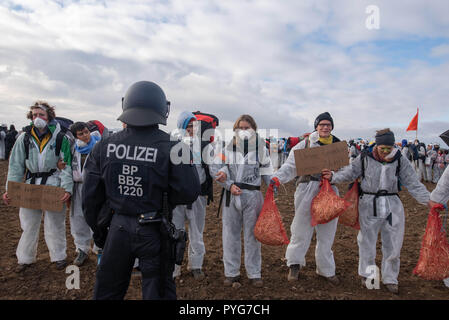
(353, 152)
(438, 167)
(406, 152)
(389, 219)
(430, 158)
(195, 215)
(244, 209)
(301, 229)
(441, 195)
(30, 219)
(420, 170)
(80, 230)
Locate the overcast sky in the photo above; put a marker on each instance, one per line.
(283, 62)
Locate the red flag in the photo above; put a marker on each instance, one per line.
(413, 126)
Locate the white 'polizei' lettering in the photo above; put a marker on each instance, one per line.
(136, 153)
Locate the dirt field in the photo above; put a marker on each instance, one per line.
(43, 281)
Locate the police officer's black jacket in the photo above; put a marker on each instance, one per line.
(130, 170)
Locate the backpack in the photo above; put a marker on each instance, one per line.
(207, 121)
(95, 125)
(65, 124)
(292, 141)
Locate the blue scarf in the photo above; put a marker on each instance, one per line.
(90, 145)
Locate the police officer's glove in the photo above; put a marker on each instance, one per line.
(275, 183)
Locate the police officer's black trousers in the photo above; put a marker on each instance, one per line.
(127, 240)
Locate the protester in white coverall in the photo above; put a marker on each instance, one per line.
(441, 195)
(380, 208)
(301, 229)
(41, 167)
(353, 152)
(81, 232)
(420, 170)
(438, 166)
(247, 162)
(430, 158)
(195, 214)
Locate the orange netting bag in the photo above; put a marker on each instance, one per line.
(269, 228)
(350, 217)
(326, 205)
(433, 263)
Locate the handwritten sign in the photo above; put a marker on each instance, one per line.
(33, 196)
(312, 160)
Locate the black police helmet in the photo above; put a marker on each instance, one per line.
(144, 104)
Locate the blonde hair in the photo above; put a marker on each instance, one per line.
(247, 118)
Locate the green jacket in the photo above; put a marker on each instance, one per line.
(42, 162)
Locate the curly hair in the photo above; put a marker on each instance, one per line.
(49, 109)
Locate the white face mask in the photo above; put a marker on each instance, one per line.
(245, 134)
(80, 143)
(39, 123)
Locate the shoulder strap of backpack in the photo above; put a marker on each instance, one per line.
(362, 159)
(398, 168)
(208, 184)
(59, 139)
(26, 141)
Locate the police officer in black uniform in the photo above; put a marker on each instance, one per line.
(130, 171)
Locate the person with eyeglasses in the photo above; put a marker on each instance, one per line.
(380, 208)
(307, 188)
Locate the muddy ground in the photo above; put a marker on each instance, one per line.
(43, 281)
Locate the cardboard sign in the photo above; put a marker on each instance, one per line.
(312, 160)
(33, 196)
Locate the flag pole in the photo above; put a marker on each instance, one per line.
(417, 112)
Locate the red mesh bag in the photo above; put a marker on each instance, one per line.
(350, 217)
(326, 205)
(433, 263)
(269, 228)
